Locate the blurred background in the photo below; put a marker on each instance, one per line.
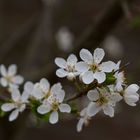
(34, 32)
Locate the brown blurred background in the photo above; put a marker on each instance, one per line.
(30, 36)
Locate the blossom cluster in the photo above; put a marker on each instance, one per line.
(103, 83)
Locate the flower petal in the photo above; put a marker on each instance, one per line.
(72, 59)
(43, 109)
(93, 109)
(93, 95)
(22, 108)
(37, 93)
(107, 66)
(28, 87)
(13, 115)
(45, 84)
(82, 67)
(7, 107)
(60, 62)
(53, 117)
(132, 88)
(12, 70)
(88, 77)
(86, 56)
(17, 79)
(80, 125)
(117, 66)
(61, 73)
(131, 99)
(108, 110)
(15, 94)
(65, 108)
(24, 97)
(57, 90)
(98, 55)
(3, 70)
(4, 82)
(100, 77)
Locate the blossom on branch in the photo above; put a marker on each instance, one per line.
(53, 102)
(17, 104)
(91, 67)
(9, 78)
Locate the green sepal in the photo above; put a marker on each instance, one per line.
(110, 79)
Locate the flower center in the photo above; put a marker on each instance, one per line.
(9, 78)
(93, 67)
(102, 100)
(70, 68)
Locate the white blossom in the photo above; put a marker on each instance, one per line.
(67, 68)
(84, 120)
(54, 102)
(28, 89)
(41, 89)
(104, 100)
(64, 39)
(130, 94)
(91, 66)
(17, 105)
(9, 78)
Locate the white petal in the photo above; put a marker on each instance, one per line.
(114, 98)
(60, 62)
(28, 87)
(12, 86)
(7, 107)
(93, 95)
(107, 66)
(100, 77)
(15, 94)
(108, 110)
(83, 112)
(3, 70)
(55, 88)
(12, 70)
(86, 56)
(18, 79)
(65, 108)
(53, 117)
(58, 92)
(82, 67)
(37, 93)
(43, 109)
(117, 66)
(13, 115)
(4, 82)
(132, 88)
(98, 55)
(88, 77)
(22, 108)
(72, 59)
(131, 99)
(93, 109)
(61, 73)
(80, 125)
(45, 84)
(24, 97)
